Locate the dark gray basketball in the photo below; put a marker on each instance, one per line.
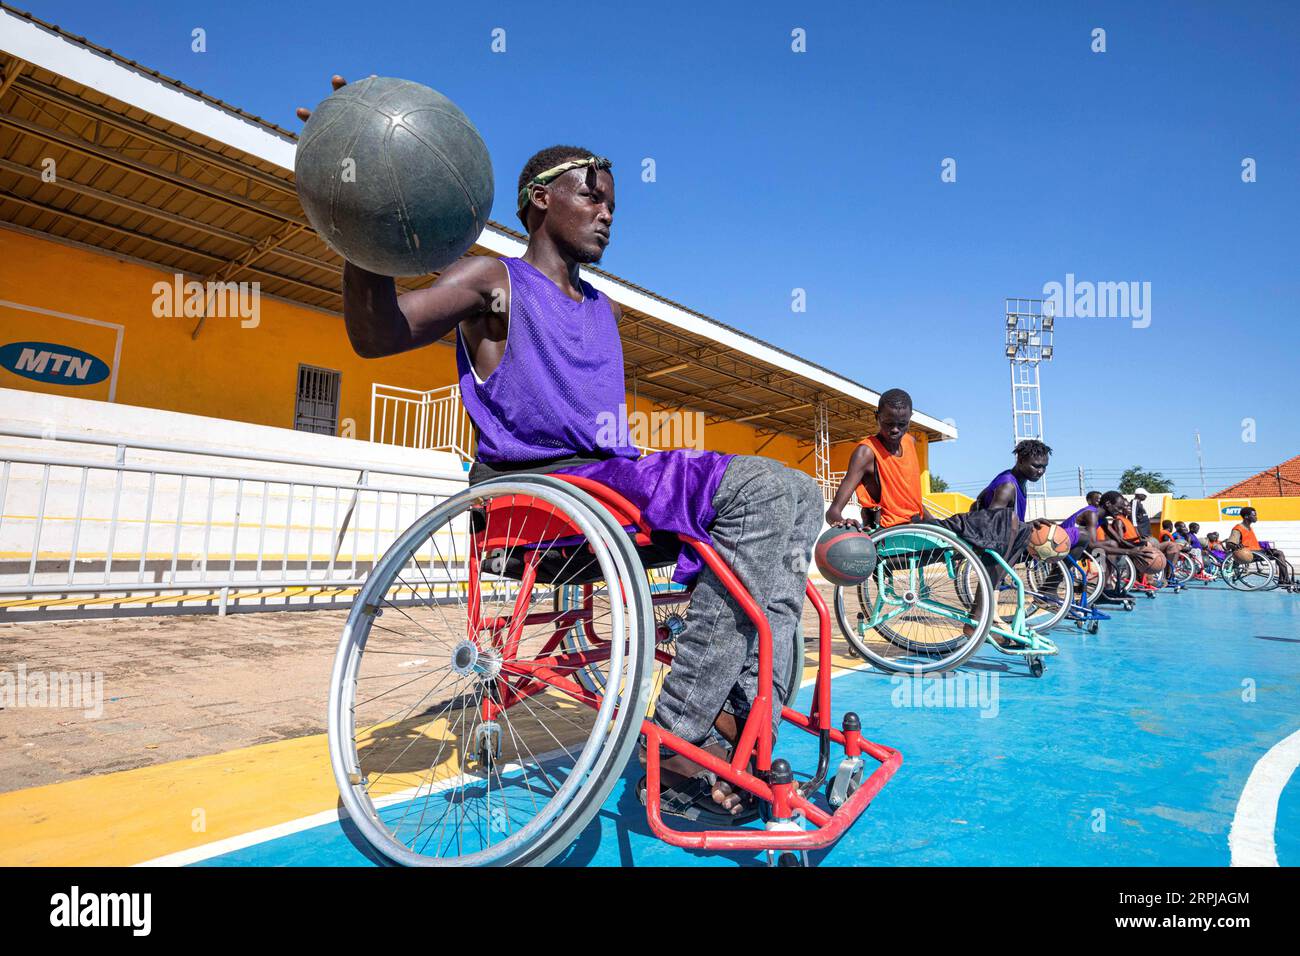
(394, 177)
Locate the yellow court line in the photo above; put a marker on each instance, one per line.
(131, 816)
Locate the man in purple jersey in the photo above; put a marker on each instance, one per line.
(544, 404)
(1082, 529)
(1007, 489)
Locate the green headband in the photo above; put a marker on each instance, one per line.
(554, 173)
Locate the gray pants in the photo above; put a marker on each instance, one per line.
(768, 519)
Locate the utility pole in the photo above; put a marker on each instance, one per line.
(1081, 491)
(1201, 461)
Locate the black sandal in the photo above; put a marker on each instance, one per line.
(692, 799)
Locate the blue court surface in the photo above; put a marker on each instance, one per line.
(1133, 749)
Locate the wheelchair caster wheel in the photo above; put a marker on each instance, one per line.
(1036, 666)
(845, 782)
(487, 745)
(1094, 627)
(791, 859)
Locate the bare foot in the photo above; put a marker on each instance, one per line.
(677, 768)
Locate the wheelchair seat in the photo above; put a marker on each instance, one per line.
(522, 531)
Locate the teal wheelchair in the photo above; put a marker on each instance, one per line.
(932, 602)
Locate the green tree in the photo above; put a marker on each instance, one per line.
(1137, 477)
(937, 484)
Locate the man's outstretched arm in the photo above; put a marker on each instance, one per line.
(861, 462)
(379, 322)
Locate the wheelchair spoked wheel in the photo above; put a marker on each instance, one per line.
(927, 607)
(1049, 592)
(671, 603)
(1256, 575)
(1093, 564)
(1210, 565)
(1121, 574)
(1184, 568)
(458, 733)
(1275, 581)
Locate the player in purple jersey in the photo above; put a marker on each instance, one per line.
(1007, 489)
(541, 373)
(1082, 528)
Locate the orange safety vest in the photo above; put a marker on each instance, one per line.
(1130, 532)
(900, 482)
(1248, 539)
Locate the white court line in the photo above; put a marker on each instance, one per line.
(243, 840)
(1251, 839)
(266, 834)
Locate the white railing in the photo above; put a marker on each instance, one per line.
(937, 510)
(433, 419)
(831, 484)
(118, 520)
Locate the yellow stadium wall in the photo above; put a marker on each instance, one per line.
(233, 372)
(228, 371)
(1207, 510)
(948, 502)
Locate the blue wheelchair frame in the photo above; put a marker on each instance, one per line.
(1083, 613)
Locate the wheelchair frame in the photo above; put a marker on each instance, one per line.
(794, 824)
(773, 781)
(888, 605)
(1083, 612)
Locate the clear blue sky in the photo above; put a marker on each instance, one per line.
(821, 171)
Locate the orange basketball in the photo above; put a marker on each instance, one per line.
(1154, 559)
(1049, 541)
(1243, 555)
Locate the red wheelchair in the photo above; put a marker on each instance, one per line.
(497, 670)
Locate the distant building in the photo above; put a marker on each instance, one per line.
(1279, 481)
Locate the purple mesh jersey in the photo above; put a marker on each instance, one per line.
(1006, 477)
(558, 393)
(1071, 524)
(559, 386)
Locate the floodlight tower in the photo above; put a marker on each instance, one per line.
(1029, 332)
